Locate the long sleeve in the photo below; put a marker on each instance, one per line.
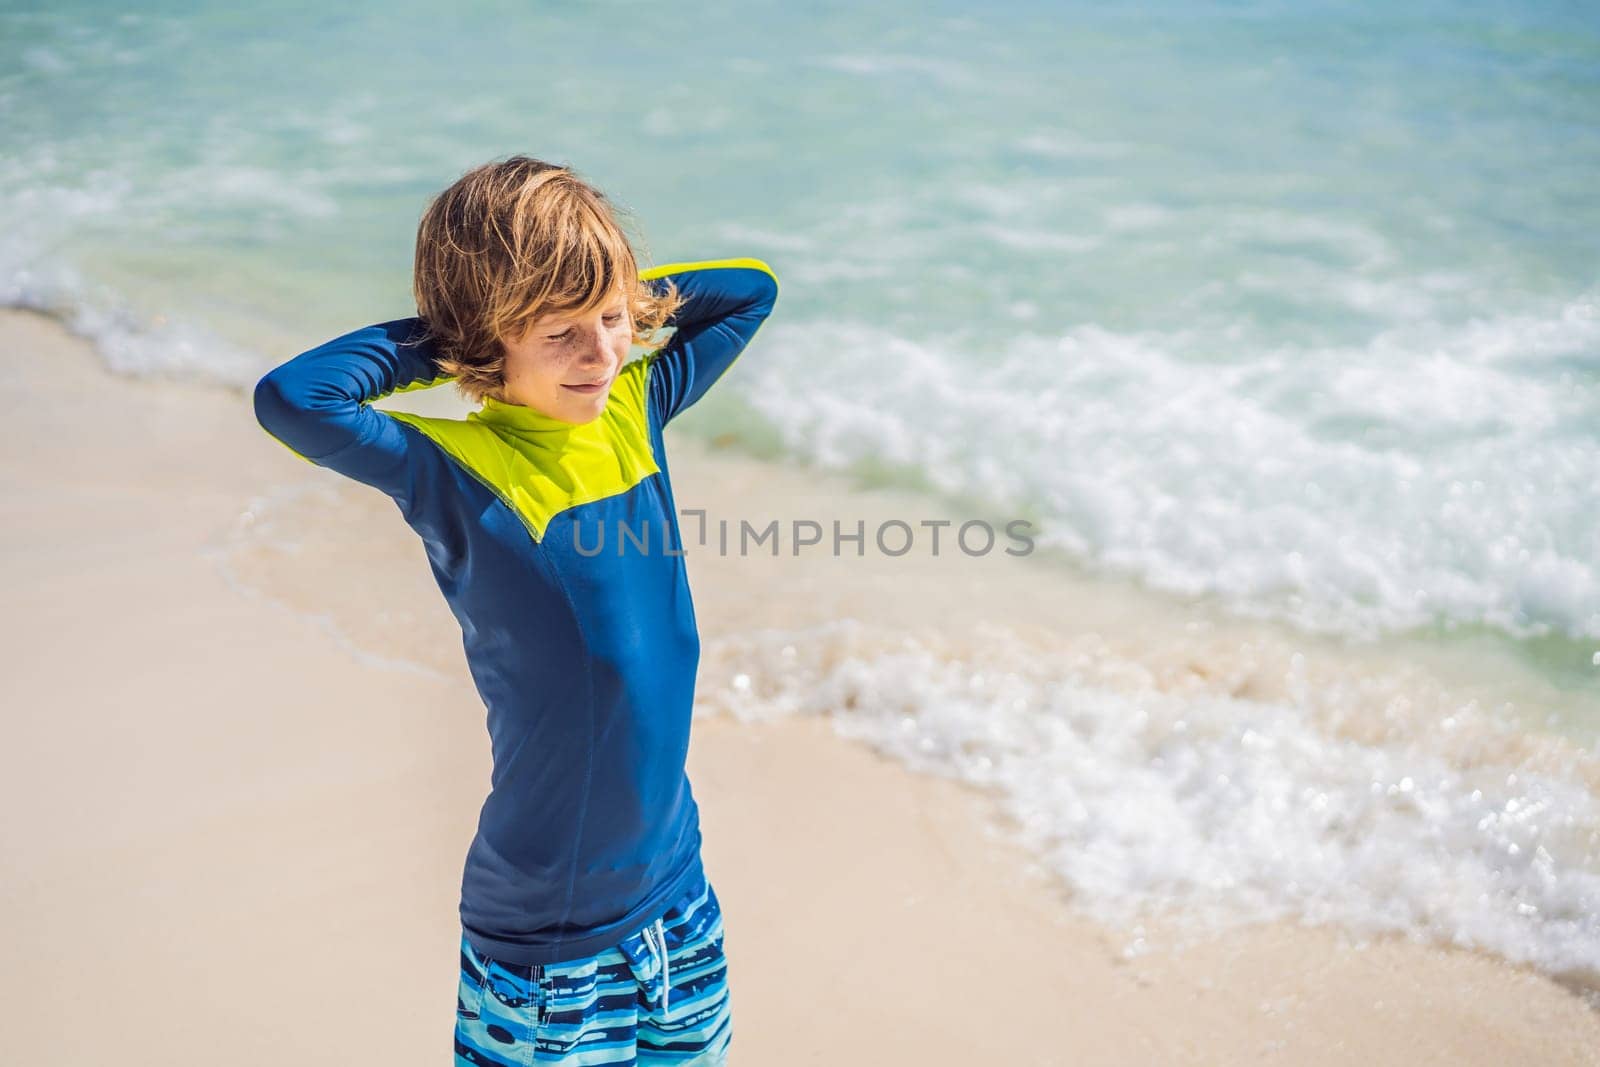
(316, 404)
(728, 299)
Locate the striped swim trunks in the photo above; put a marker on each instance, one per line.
(658, 997)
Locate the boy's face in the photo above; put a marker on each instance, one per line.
(565, 364)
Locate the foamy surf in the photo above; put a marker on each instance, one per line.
(1367, 802)
(1316, 486)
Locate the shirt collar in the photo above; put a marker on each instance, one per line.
(521, 418)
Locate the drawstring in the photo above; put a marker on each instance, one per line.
(666, 977)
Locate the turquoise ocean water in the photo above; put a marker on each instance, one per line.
(1293, 306)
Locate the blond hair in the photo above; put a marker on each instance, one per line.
(509, 242)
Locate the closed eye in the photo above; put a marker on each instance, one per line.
(611, 320)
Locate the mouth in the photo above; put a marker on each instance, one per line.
(588, 388)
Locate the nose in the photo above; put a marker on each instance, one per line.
(597, 351)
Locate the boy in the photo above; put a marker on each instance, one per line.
(590, 933)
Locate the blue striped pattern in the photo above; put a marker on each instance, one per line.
(610, 1008)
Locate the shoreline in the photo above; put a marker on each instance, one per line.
(319, 874)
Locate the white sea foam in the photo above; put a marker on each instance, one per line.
(50, 204)
(129, 342)
(1036, 240)
(1065, 144)
(945, 71)
(1432, 475)
(1359, 246)
(1173, 790)
(1136, 216)
(45, 61)
(764, 237)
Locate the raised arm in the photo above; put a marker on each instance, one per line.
(316, 403)
(727, 301)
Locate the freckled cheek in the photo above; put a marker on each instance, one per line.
(546, 374)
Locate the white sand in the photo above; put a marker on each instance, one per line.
(236, 839)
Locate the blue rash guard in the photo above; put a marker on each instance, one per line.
(557, 547)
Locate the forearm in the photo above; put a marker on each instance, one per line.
(717, 290)
(315, 402)
(726, 302)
